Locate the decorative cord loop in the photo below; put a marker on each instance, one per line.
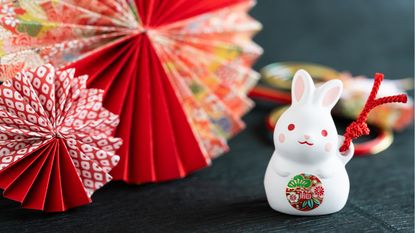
(359, 127)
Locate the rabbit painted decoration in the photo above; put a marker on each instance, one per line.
(306, 174)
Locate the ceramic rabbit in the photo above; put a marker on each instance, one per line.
(306, 174)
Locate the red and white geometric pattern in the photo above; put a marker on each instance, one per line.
(56, 139)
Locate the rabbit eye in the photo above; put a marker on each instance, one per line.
(291, 127)
(324, 133)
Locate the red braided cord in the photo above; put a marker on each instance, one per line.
(359, 127)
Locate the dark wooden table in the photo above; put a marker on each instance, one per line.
(359, 36)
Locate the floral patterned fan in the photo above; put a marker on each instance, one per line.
(56, 144)
(176, 71)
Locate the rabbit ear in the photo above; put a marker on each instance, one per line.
(329, 93)
(302, 87)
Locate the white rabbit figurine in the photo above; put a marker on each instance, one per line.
(306, 174)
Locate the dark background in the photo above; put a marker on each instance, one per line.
(362, 37)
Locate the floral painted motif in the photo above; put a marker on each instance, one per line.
(293, 197)
(305, 192)
(318, 191)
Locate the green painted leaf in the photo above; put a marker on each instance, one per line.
(298, 177)
(304, 204)
(292, 184)
(299, 181)
(30, 27)
(310, 203)
(195, 88)
(307, 183)
(295, 182)
(316, 201)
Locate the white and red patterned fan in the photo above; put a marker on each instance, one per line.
(176, 71)
(56, 144)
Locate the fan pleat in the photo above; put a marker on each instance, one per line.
(17, 178)
(211, 103)
(213, 142)
(98, 62)
(167, 160)
(184, 9)
(73, 191)
(191, 156)
(141, 164)
(113, 71)
(36, 198)
(54, 197)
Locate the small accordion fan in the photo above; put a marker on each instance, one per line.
(56, 144)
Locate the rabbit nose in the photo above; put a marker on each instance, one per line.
(306, 136)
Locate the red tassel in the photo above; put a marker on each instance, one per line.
(359, 127)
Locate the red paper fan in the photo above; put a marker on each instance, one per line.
(176, 71)
(56, 146)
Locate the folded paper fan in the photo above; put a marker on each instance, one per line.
(177, 72)
(56, 146)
